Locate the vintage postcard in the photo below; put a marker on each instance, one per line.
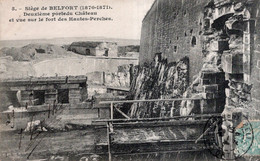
(137, 80)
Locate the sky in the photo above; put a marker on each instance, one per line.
(127, 18)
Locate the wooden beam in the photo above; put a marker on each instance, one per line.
(157, 118)
(160, 123)
(122, 113)
(108, 142)
(150, 100)
(140, 148)
(156, 152)
(111, 110)
(157, 141)
(201, 136)
(119, 88)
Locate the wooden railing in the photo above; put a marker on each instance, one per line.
(138, 101)
(109, 122)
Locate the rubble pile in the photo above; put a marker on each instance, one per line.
(238, 94)
(121, 78)
(34, 126)
(159, 80)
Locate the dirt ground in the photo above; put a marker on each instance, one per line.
(45, 145)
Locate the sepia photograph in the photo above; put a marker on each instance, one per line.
(129, 80)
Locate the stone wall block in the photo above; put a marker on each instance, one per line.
(210, 88)
(234, 77)
(208, 95)
(212, 78)
(220, 78)
(206, 82)
(208, 106)
(74, 100)
(214, 88)
(246, 64)
(232, 63)
(246, 49)
(74, 91)
(220, 104)
(218, 45)
(77, 79)
(246, 38)
(229, 92)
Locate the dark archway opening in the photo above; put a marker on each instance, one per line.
(87, 51)
(219, 23)
(106, 52)
(63, 96)
(193, 41)
(39, 96)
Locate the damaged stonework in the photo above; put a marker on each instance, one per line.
(160, 80)
(209, 87)
(228, 40)
(36, 91)
(121, 78)
(110, 82)
(226, 49)
(236, 60)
